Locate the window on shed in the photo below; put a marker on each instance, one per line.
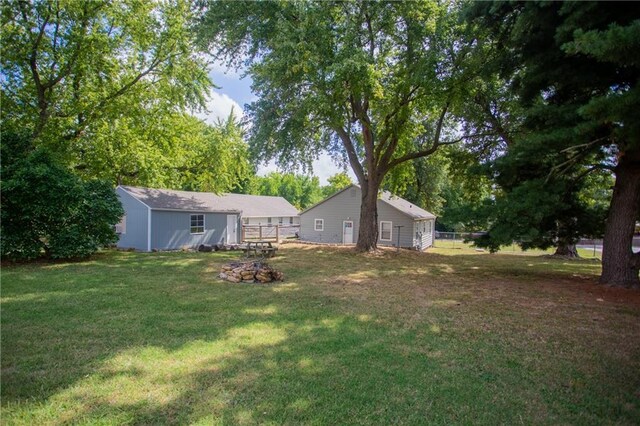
(318, 225)
(121, 227)
(290, 220)
(280, 220)
(428, 226)
(385, 230)
(269, 221)
(197, 223)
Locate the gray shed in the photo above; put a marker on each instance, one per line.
(337, 220)
(168, 219)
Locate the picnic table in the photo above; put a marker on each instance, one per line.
(259, 248)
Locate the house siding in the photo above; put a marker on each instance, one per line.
(423, 239)
(397, 218)
(135, 236)
(346, 206)
(171, 229)
(343, 206)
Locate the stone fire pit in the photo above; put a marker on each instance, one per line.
(249, 272)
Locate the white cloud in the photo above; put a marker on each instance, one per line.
(324, 167)
(219, 107)
(265, 169)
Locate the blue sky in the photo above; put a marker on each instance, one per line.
(235, 92)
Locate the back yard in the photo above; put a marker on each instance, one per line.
(448, 336)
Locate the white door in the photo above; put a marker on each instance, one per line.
(232, 229)
(347, 232)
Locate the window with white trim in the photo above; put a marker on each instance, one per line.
(280, 220)
(290, 220)
(197, 224)
(318, 225)
(428, 226)
(121, 227)
(269, 221)
(385, 230)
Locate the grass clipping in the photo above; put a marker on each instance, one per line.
(250, 272)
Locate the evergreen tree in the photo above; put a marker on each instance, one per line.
(574, 70)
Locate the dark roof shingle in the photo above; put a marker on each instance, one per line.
(248, 205)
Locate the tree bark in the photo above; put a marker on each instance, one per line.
(566, 250)
(566, 242)
(619, 265)
(368, 233)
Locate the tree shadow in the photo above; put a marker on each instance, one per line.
(157, 339)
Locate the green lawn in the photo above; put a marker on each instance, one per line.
(587, 253)
(447, 336)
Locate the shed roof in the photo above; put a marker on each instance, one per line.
(394, 201)
(405, 206)
(248, 205)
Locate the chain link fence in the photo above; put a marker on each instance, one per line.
(453, 239)
(457, 240)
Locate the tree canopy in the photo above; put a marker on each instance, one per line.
(49, 211)
(300, 190)
(107, 87)
(336, 183)
(373, 83)
(72, 68)
(170, 151)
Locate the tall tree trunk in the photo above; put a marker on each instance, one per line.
(566, 250)
(368, 233)
(619, 265)
(566, 243)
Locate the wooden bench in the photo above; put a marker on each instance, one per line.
(259, 248)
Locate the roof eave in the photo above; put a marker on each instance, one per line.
(162, 209)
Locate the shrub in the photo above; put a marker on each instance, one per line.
(47, 210)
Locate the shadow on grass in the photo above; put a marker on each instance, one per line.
(149, 339)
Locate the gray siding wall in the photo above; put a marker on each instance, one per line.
(423, 233)
(171, 230)
(346, 206)
(135, 235)
(388, 213)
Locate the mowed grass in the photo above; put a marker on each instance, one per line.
(442, 337)
(586, 253)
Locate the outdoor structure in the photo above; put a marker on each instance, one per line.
(166, 219)
(336, 220)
